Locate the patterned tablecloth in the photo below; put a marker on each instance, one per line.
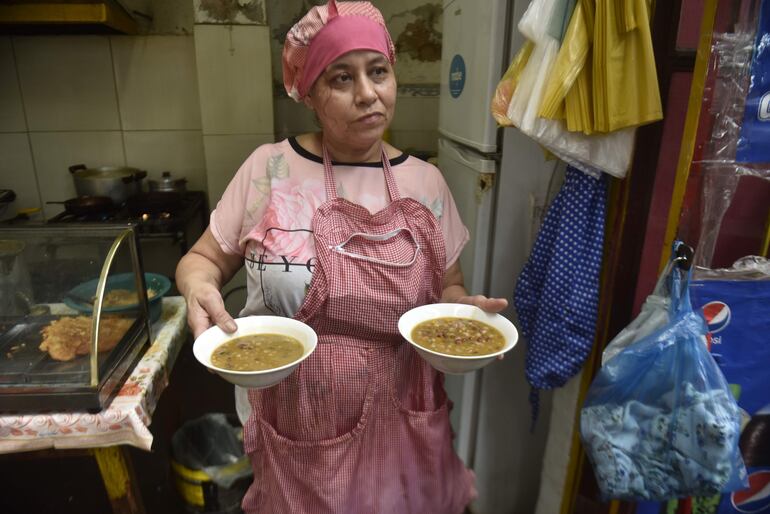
(126, 420)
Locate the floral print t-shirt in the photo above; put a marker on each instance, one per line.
(266, 211)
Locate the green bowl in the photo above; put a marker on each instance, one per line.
(160, 283)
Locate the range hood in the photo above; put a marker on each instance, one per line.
(65, 17)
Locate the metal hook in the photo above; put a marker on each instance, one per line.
(684, 255)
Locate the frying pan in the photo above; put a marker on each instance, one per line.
(88, 205)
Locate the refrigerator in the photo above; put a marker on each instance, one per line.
(499, 179)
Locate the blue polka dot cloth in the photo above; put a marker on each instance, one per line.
(557, 293)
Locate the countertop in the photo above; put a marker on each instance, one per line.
(129, 414)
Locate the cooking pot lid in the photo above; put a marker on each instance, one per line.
(167, 180)
(107, 172)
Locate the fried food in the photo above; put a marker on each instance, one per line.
(68, 337)
(121, 297)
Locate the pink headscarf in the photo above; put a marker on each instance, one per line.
(325, 33)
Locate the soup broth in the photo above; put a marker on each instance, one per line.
(458, 336)
(257, 352)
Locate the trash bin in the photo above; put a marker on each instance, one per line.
(210, 469)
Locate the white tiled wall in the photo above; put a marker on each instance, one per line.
(234, 78)
(177, 151)
(98, 101)
(67, 82)
(156, 82)
(11, 110)
(415, 124)
(292, 118)
(224, 155)
(236, 97)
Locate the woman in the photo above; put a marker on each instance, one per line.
(343, 232)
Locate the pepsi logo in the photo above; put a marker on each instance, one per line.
(717, 316)
(757, 497)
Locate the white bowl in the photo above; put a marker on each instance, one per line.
(210, 339)
(456, 364)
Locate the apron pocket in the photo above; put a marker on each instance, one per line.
(397, 248)
(417, 388)
(326, 402)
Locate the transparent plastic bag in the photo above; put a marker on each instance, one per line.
(507, 85)
(720, 181)
(659, 421)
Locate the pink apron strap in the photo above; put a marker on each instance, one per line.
(331, 187)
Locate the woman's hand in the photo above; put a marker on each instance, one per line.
(454, 292)
(206, 308)
(199, 277)
(484, 303)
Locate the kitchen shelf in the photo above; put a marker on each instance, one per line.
(74, 16)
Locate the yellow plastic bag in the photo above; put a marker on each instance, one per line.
(625, 82)
(579, 103)
(507, 85)
(569, 63)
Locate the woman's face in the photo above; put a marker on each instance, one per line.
(354, 98)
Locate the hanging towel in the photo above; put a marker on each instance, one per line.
(557, 293)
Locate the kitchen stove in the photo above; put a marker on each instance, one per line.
(151, 224)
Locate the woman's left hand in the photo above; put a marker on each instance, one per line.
(484, 303)
(454, 292)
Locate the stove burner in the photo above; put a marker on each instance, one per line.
(193, 204)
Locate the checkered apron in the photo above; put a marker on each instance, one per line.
(362, 425)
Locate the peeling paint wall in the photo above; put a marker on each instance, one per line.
(416, 33)
(231, 12)
(167, 17)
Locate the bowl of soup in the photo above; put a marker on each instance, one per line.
(457, 338)
(260, 353)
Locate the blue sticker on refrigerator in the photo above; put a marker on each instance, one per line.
(456, 76)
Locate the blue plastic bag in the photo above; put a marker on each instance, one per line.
(659, 420)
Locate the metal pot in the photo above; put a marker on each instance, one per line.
(116, 182)
(168, 184)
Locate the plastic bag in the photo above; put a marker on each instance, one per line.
(570, 63)
(659, 420)
(610, 153)
(626, 92)
(211, 444)
(653, 316)
(720, 182)
(507, 85)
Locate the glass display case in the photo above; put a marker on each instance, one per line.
(72, 325)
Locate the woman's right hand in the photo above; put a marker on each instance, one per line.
(199, 277)
(205, 308)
